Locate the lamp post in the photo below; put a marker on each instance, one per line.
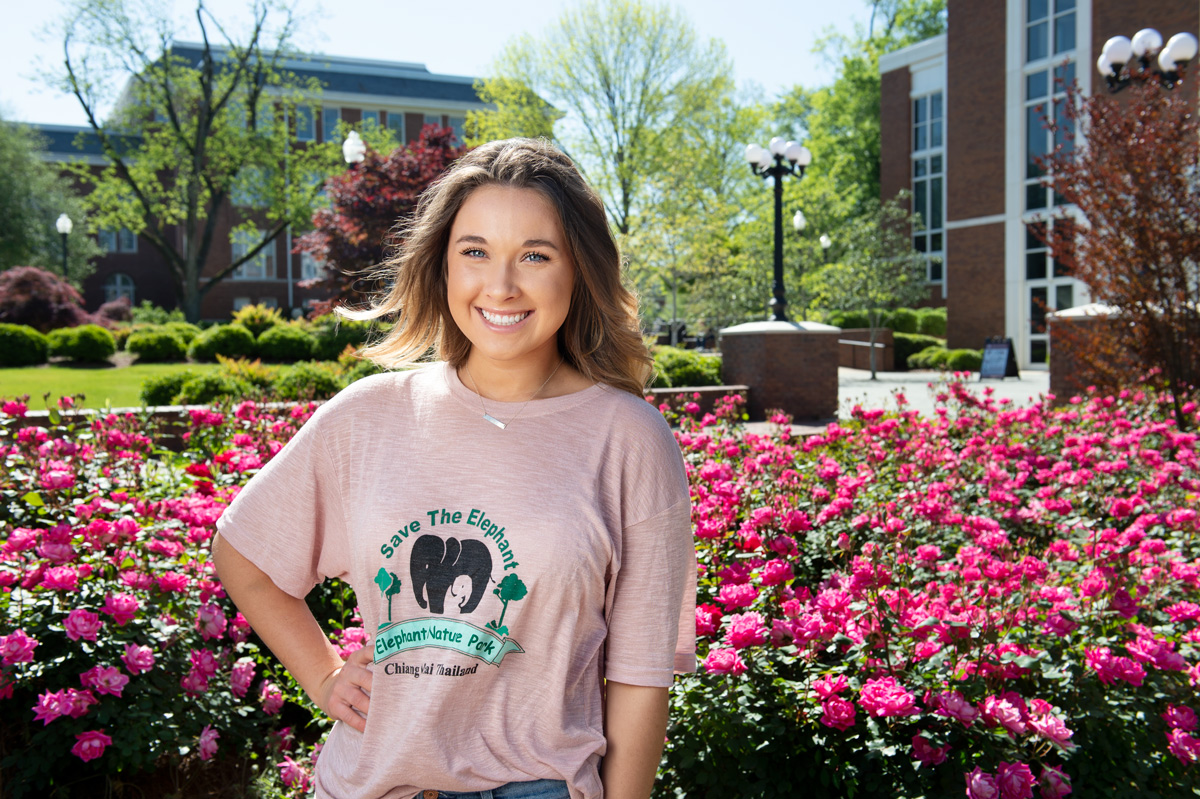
(63, 225)
(353, 149)
(826, 243)
(781, 158)
(1147, 47)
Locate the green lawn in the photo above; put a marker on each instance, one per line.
(113, 386)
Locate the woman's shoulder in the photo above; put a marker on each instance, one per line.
(381, 392)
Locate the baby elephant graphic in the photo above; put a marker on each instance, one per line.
(436, 566)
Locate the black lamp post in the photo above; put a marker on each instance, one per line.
(783, 158)
(1115, 60)
(63, 225)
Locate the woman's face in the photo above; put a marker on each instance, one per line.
(509, 276)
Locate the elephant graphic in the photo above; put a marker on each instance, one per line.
(437, 566)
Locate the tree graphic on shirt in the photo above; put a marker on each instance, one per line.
(510, 589)
(389, 586)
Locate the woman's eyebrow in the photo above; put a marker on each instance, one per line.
(470, 239)
(540, 243)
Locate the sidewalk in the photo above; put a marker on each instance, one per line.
(855, 387)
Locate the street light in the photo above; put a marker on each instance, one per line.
(826, 243)
(1145, 45)
(781, 158)
(353, 149)
(64, 224)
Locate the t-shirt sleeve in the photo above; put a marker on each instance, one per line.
(652, 601)
(288, 519)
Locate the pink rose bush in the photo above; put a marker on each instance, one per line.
(991, 600)
(118, 647)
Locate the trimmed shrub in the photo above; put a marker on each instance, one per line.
(22, 345)
(110, 313)
(308, 380)
(40, 299)
(908, 344)
(934, 357)
(87, 343)
(257, 318)
(676, 367)
(206, 388)
(162, 389)
(147, 313)
(964, 360)
(932, 322)
(334, 334)
(903, 320)
(251, 372)
(286, 343)
(157, 346)
(232, 341)
(854, 320)
(185, 330)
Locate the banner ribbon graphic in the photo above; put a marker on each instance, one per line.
(458, 636)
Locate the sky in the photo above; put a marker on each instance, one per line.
(771, 44)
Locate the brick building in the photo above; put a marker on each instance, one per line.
(962, 121)
(402, 97)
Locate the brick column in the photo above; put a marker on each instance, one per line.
(791, 366)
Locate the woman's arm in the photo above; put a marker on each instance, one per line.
(635, 724)
(285, 624)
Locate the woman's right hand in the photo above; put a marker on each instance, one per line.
(345, 695)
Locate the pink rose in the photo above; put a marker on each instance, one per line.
(1016, 781)
(210, 621)
(1180, 717)
(90, 745)
(272, 698)
(828, 686)
(724, 661)
(981, 785)
(241, 677)
(708, 619)
(1000, 712)
(208, 742)
(75, 703)
(839, 713)
(138, 658)
(82, 623)
(60, 578)
(776, 572)
(745, 629)
(105, 679)
(954, 705)
(1053, 729)
(203, 662)
(884, 696)
(927, 753)
(292, 773)
(17, 647)
(737, 596)
(1183, 746)
(1055, 784)
(194, 683)
(122, 607)
(46, 710)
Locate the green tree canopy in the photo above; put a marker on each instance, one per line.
(188, 137)
(32, 195)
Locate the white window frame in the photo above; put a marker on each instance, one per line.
(261, 266)
(930, 239)
(305, 132)
(118, 285)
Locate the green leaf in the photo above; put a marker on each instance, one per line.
(33, 498)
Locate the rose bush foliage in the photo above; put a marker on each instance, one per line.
(992, 601)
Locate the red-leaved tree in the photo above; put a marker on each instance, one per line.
(39, 298)
(351, 237)
(1135, 182)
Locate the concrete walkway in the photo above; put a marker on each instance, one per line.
(855, 387)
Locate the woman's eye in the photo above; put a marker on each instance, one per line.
(536, 257)
(473, 252)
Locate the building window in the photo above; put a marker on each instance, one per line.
(310, 267)
(306, 127)
(330, 117)
(118, 285)
(261, 266)
(1048, 284)
(1049, 28)
(123, 240)
(928, 183)
(395, 123)
(370, 116)
(458, 125)
(249, 188)
(240, 302)
(433, 119)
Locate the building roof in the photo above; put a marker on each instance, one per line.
(64, 142)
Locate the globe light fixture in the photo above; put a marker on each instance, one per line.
(64, 225)
(353, 149)
(1146, 49)
(780, 157)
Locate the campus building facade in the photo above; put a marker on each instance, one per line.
(402, 97)
(963, 123)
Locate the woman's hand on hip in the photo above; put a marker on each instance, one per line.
(346, 692)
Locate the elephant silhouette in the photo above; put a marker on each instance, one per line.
(435, 565)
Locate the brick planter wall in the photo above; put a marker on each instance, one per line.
(791, 366)
(858, 355)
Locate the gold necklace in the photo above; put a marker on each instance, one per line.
(492, 419)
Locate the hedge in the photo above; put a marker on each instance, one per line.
(22, 345)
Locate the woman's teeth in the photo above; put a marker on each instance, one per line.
(504, 320)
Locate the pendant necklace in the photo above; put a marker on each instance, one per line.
(492, 419)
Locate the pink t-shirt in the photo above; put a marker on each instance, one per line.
(500, 573)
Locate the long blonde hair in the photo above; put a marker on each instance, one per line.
(600, 337)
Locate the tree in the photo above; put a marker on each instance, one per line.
(510, 589)
(879, 271)
(389, 585)
(628, 78)
(1135, 188)
(32, 195)
(187, 137)
(351, 235)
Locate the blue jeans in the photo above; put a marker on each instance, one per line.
(538, 789)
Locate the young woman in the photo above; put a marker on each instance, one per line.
(514, 519)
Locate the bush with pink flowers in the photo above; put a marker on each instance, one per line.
(993, 600)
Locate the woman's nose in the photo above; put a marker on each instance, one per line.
(502, 280)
